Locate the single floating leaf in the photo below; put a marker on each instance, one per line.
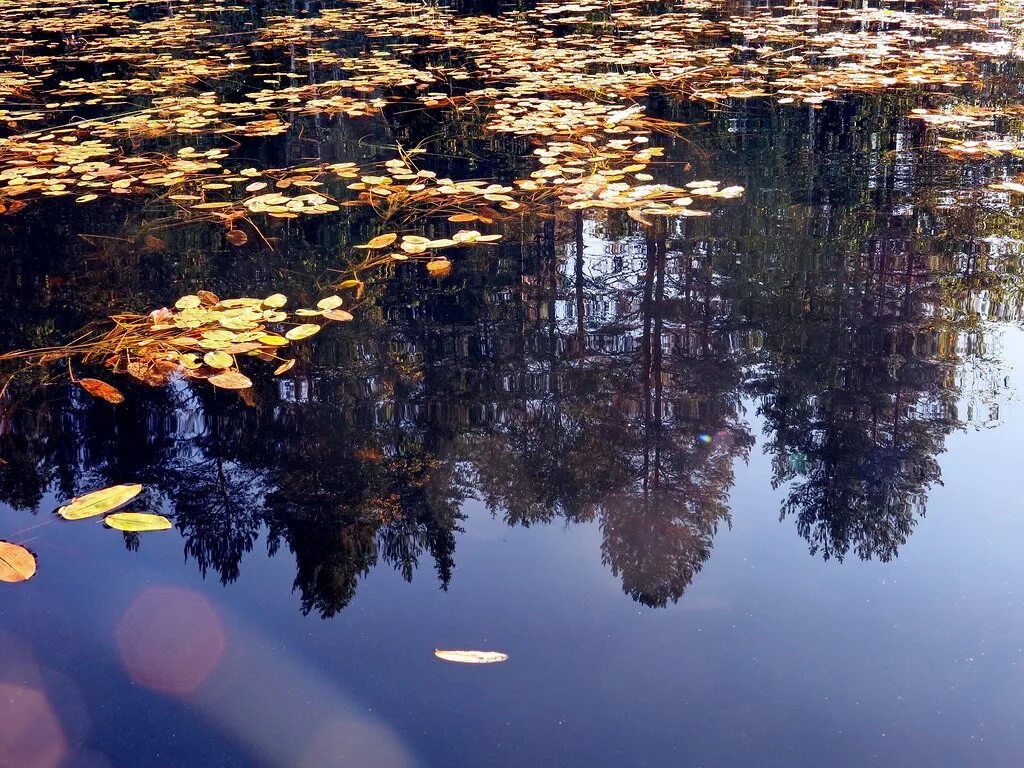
(331, 302)
(218, 359)
(338, 315)
(471, 657)
(16, 563)
(99, 502)
(284, 367)
(236, 237)
(302, 331)
(439, 267)
(273, 341)
(101, 389)
(381, 241)
(231, 380)
(136, 522)
(275, 301)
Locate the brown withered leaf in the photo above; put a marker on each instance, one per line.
(381, 241)
(338, 315)
(236, 237)
(16, 563)
(101, 389)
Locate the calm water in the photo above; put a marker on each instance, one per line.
(734, 491)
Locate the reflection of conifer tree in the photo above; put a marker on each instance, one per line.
(631, 416)
(25, 473)
(682, 432)
(352, 486)
(859, 402)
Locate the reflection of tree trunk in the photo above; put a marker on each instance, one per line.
(554, 358)
(645, 342)
(659, 322)
(653, 316)
(581, 335)
(216, 445)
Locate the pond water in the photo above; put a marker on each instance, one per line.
(728, 490)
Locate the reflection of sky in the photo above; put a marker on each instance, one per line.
(771, 658)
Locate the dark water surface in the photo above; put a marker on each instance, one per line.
(734, 491)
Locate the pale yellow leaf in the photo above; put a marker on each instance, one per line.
(99, 502)
(135, 522)
(471, 657)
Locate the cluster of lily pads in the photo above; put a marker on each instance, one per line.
(558, 72)
(569, 83)
(204, 336)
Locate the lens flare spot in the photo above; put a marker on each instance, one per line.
(31, 735)
(170, 640)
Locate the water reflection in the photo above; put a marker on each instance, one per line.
(587, 370)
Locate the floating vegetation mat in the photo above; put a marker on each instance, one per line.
(202, 337)
(113, 100)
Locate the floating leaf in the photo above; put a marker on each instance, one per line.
(284, 367)
(272, 340)
(99, 502)
(236, 237)
(136, 522)
(471, 657)
(101, 389)
(302, 331)
(331, 302)
(381, 241)
(208, 298)
(439, 267)
(16, 563)
(275, 301)
(338, 315)
(218, 359)
(231, 380)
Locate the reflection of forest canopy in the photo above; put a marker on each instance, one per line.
(589, 373)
